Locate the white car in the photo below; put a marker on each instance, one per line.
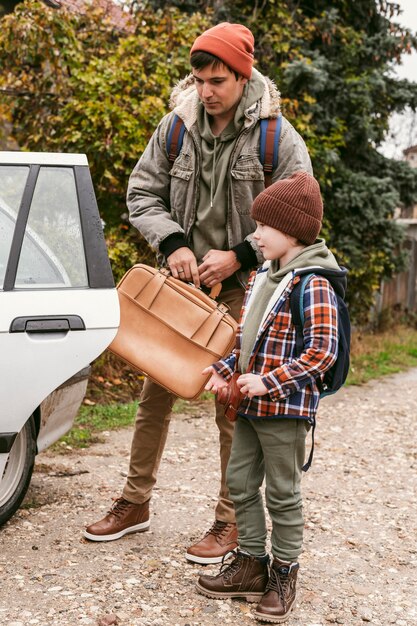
(58, 306)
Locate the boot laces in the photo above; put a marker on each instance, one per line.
(119, 507)
(217, 529)
(279, 581)
(232, 568)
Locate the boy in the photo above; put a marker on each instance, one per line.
(280, 395)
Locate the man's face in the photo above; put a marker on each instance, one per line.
(218, 90)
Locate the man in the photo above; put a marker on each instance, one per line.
(195, 214)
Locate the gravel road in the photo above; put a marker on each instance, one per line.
(360, 560)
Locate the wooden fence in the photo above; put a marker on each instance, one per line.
(401, 291)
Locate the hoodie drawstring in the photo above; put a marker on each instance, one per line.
(213, 173)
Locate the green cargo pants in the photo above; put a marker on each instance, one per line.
(270, 449)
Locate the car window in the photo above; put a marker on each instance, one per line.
(12, 184)
(52, 253)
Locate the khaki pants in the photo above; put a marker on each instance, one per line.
(151, 430)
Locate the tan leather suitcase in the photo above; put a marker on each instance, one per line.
(170, 330)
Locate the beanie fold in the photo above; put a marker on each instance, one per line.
(292, 206)
(231, 43)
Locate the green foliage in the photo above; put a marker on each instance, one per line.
(126, 247)
(80, 86)
(75, 83)
(361, 231)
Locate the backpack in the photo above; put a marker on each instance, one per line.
(268, 147)
(336, 376)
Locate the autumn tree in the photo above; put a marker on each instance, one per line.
(77, 83)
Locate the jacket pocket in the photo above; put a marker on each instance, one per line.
(247, 181)
(248, 167)
(179, 172)
(179, 191)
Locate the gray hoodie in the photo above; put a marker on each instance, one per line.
(210, 228)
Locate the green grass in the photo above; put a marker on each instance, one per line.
(376, 355)
(372, 356)
(92, 420)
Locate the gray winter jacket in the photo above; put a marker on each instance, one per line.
(162, 197)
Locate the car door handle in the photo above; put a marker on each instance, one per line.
(46, 324)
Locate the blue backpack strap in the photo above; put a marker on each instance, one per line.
(175, 138)
(297, 310)
(297, 314)
(269, 146)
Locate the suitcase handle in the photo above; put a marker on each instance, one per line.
(214, 292)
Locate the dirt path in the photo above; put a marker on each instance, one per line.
(360, 559)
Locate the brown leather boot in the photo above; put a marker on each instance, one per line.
(279, 597)
(218, 543)
(124, 517)
(246, 577)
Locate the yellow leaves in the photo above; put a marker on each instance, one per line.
(110, 177)
(309, 99)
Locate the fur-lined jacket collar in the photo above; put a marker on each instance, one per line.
(184, 100)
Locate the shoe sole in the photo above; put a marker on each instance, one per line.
(139, 528)
(202, 560)
(220, 595)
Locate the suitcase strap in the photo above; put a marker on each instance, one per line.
(205, 332)
(148, 294)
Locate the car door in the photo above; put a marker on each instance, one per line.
(58, 304)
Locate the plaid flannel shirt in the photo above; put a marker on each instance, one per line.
(290, 379)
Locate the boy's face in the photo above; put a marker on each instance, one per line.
(218, 90)
(273, 243)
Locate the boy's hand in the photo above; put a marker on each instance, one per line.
(251, 385)
(216, 381)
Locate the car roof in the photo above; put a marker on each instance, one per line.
(18, 157)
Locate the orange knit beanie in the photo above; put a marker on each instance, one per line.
(231, 43)
(293, 206)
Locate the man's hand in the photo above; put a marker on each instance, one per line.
(251, 385)
(216, 381)
(183, 265)
(217, 265)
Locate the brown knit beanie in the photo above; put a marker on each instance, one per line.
(231, 43)
(293, 206)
